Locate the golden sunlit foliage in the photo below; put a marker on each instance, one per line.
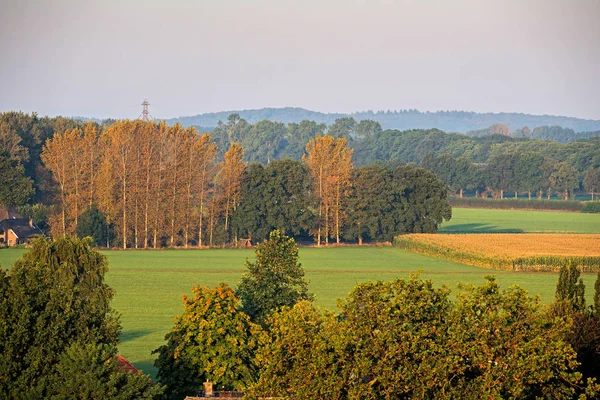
(151, 181)
(330, 163)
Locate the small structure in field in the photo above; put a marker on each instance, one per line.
(245, 243)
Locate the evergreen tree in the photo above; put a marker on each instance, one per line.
(570, 289)
(92, 223)
(597, 296)
(53, 298)
(274, 280)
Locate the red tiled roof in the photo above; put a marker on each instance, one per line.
(125, 365)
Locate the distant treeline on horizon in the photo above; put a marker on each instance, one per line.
(449, 121)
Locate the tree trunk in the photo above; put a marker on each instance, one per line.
(326, 226)
(516, 195)
(529, 193)
(502, 193)
(461, 193)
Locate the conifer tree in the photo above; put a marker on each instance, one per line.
(274, 280)
(570, 288)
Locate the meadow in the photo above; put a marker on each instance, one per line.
(478, 220)
(149, 284)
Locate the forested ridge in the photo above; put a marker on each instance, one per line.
(451, 121)
(153, 185)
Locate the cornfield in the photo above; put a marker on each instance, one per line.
(518, 252)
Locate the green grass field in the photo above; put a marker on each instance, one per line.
(478, 220)
(149, 284)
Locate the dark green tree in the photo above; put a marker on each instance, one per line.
(274, 280)
(367, 128)
(570, 289)
(298, 135)
(211, 341)
(342, 128)
(91, 371)
(15, 187)
(277, 196)
(370, 205)
(53, 297)
(591, 181)
(385, 202)
(597, 296)
(564, 179)
(92, 223)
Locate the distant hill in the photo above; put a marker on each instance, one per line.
(449, 121)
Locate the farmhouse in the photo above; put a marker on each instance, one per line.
(15, 229)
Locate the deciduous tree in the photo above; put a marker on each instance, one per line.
(211, 341)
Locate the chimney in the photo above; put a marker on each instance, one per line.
(208, 389)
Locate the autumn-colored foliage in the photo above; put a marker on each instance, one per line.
(212, 340)
(151, 181)
(330, 162)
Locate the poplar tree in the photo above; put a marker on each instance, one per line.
(330, 164)
(229, 178)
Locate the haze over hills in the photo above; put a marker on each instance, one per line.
(449, 121)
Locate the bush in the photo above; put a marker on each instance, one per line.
(516, 204)
(591, 207)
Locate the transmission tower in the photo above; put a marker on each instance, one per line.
(145, 115)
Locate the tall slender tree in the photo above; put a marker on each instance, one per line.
(229, 178)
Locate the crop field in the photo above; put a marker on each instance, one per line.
(149, 284)
(520, 252)
(477, 220)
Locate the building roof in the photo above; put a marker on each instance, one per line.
(21, 227)
(124, 365)
(9, 213)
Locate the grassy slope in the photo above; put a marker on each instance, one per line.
(477, 220)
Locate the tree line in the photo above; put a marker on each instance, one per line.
(27, 182)
(526, 173)
(156, 185)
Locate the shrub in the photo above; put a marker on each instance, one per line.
(591, 207)
(516, 204)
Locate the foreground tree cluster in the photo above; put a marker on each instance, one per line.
(140, 184)
(389, 340)
(58, 333)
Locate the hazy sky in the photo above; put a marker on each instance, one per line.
(102, 58)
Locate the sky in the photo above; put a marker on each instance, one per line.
(103, 58)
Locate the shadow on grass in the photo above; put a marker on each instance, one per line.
(132, 335)
(478, 228)
(147, 367)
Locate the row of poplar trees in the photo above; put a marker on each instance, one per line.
(159, 185)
